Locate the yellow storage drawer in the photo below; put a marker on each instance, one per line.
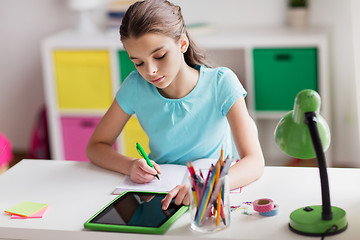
(132, 134)
(83, 79)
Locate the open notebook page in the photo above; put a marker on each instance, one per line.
(171, 176)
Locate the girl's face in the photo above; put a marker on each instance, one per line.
(158, 58)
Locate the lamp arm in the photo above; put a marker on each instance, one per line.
(311, 121)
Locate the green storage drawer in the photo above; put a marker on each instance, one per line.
(126, 66)
(279, 74)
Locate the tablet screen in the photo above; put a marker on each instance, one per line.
(136, 209)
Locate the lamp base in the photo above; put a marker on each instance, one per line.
(308, 221)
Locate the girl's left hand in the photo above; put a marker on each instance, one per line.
(181, 195)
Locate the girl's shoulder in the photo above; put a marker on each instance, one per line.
(217, 72)
(133, 84)
(133, 79)
(133, 75)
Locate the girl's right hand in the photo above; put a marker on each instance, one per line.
(141, 172)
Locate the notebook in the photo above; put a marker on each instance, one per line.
(171, 176)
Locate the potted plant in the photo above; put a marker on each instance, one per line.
(298, 3)
(298, 12)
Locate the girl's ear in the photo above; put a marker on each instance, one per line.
(184, 43)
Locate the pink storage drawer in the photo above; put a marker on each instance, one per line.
(76, 133)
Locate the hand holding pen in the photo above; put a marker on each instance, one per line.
(148, 162)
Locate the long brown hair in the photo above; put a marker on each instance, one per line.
(160, 16)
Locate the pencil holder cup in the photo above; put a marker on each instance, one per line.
(209, 204)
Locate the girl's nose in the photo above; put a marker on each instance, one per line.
(152, 69)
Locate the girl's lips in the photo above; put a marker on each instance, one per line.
(156, 80)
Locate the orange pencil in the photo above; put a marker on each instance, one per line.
(222, 156)
(218, 209)
(217, 175)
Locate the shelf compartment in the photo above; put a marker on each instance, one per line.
(126, 66)
(83, 79)
(76, 132)
(280, 73)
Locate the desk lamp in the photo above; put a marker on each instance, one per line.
(302, 133)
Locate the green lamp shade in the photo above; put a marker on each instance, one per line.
(292, 134)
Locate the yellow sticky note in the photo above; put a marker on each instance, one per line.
(39, 214)
(26, 208)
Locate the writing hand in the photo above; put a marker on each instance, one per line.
(181, 193)
(141, 172)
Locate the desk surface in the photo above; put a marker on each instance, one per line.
(77, 190)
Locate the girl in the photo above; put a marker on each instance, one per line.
(187, 110)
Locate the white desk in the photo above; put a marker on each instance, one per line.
(77, 190)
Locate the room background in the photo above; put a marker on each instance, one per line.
(24, 24)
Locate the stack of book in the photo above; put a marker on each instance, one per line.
(115, 13)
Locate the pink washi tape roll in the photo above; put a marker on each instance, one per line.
(263, 205)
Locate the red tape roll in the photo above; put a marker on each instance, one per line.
(263, 205)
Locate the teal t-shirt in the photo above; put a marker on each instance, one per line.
(189, 128)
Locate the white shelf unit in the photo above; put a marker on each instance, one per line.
(229, 46)
(234, 47)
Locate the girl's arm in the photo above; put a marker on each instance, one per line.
(100, 151)
(251, 164)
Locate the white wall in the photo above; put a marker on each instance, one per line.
(22, 26)
(345, 141)
(355, 7)
(30, 21)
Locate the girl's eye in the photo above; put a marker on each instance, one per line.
(138, 65)
(161, 57)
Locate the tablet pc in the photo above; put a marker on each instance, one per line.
(138, 212)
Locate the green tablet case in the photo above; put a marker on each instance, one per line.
(135, 229)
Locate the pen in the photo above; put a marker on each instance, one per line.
(142, 153)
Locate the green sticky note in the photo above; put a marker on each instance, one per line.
(26, 208)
